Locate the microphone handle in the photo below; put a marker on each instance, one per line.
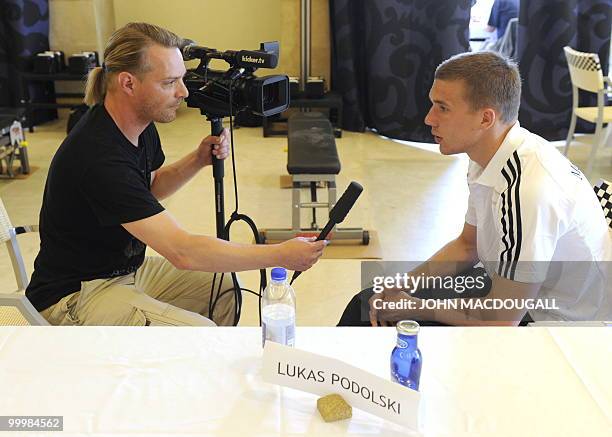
(326, 230)
(295, 276)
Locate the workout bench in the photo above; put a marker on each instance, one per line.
(312, 162)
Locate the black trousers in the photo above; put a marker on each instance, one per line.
(357, 311)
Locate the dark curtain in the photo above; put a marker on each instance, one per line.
(545, 27)
(384, 54)
(24, 31)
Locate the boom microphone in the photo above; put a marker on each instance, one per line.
(242, 58)
(338, 213)
(190, 50)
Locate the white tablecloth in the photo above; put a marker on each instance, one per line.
(206, 381)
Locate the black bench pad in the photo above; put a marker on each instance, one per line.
(312, 145)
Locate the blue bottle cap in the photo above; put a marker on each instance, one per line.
(279, 274)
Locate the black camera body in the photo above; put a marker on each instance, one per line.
(220, 93)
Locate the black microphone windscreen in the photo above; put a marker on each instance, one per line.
(192, 51)
(184, 44)
(345, 203)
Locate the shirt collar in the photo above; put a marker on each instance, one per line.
(491, 174)
(116, 132)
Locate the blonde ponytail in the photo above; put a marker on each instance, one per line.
(95, 90)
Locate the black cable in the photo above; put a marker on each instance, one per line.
(251, 291)
(210, 300)
(233, 156)
(227, 291)
(236, 217)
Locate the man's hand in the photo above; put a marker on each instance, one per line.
(214, 146)
(382, 307)
(300, 254)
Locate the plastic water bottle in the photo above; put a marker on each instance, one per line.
(406, 360)
(278, 310)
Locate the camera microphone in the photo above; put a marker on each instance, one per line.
(338, 213)
(191, 50)
(244, 58)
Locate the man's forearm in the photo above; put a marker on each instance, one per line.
(203, 253)
(465, 317)
(475, 311)
(170, 178)
(452, 259)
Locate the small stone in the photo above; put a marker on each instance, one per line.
(333, 408)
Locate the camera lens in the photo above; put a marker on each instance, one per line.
(270, 95)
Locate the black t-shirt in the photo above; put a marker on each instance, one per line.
(96, 182)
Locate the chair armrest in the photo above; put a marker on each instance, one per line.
(19, 302)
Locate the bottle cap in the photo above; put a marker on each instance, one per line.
(279, 274)
(407, 327)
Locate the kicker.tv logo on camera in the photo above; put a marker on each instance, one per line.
(252, 60)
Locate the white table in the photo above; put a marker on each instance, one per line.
(206, 381)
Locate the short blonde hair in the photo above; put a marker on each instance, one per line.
(491, 80)
(125, 51)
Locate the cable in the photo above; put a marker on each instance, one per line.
(251, 291)
(210, 300)
(232, 149)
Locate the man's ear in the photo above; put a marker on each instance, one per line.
(488, 118)
(125, 81)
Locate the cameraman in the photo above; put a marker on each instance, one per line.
(101, 205)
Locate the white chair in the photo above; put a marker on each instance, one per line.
(15, 308)
(506, 44)
(586, 74)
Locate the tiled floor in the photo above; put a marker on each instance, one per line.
(415, 198)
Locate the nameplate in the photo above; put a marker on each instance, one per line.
(320, 375)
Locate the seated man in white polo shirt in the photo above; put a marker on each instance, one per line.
(533, 219)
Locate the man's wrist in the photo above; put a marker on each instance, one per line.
(424, 312)
(275, 255)
(202, 160)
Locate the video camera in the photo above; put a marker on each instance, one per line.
(220, 93)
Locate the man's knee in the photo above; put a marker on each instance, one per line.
(109, 311)
(356, 312)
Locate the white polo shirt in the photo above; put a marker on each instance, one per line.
(538, 220)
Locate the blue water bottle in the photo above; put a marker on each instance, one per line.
(406, 356)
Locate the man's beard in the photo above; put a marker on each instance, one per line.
(151, 111)
(166, 115)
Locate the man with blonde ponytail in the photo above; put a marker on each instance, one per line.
(101, 204)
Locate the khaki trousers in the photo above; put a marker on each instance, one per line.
(156, 294)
